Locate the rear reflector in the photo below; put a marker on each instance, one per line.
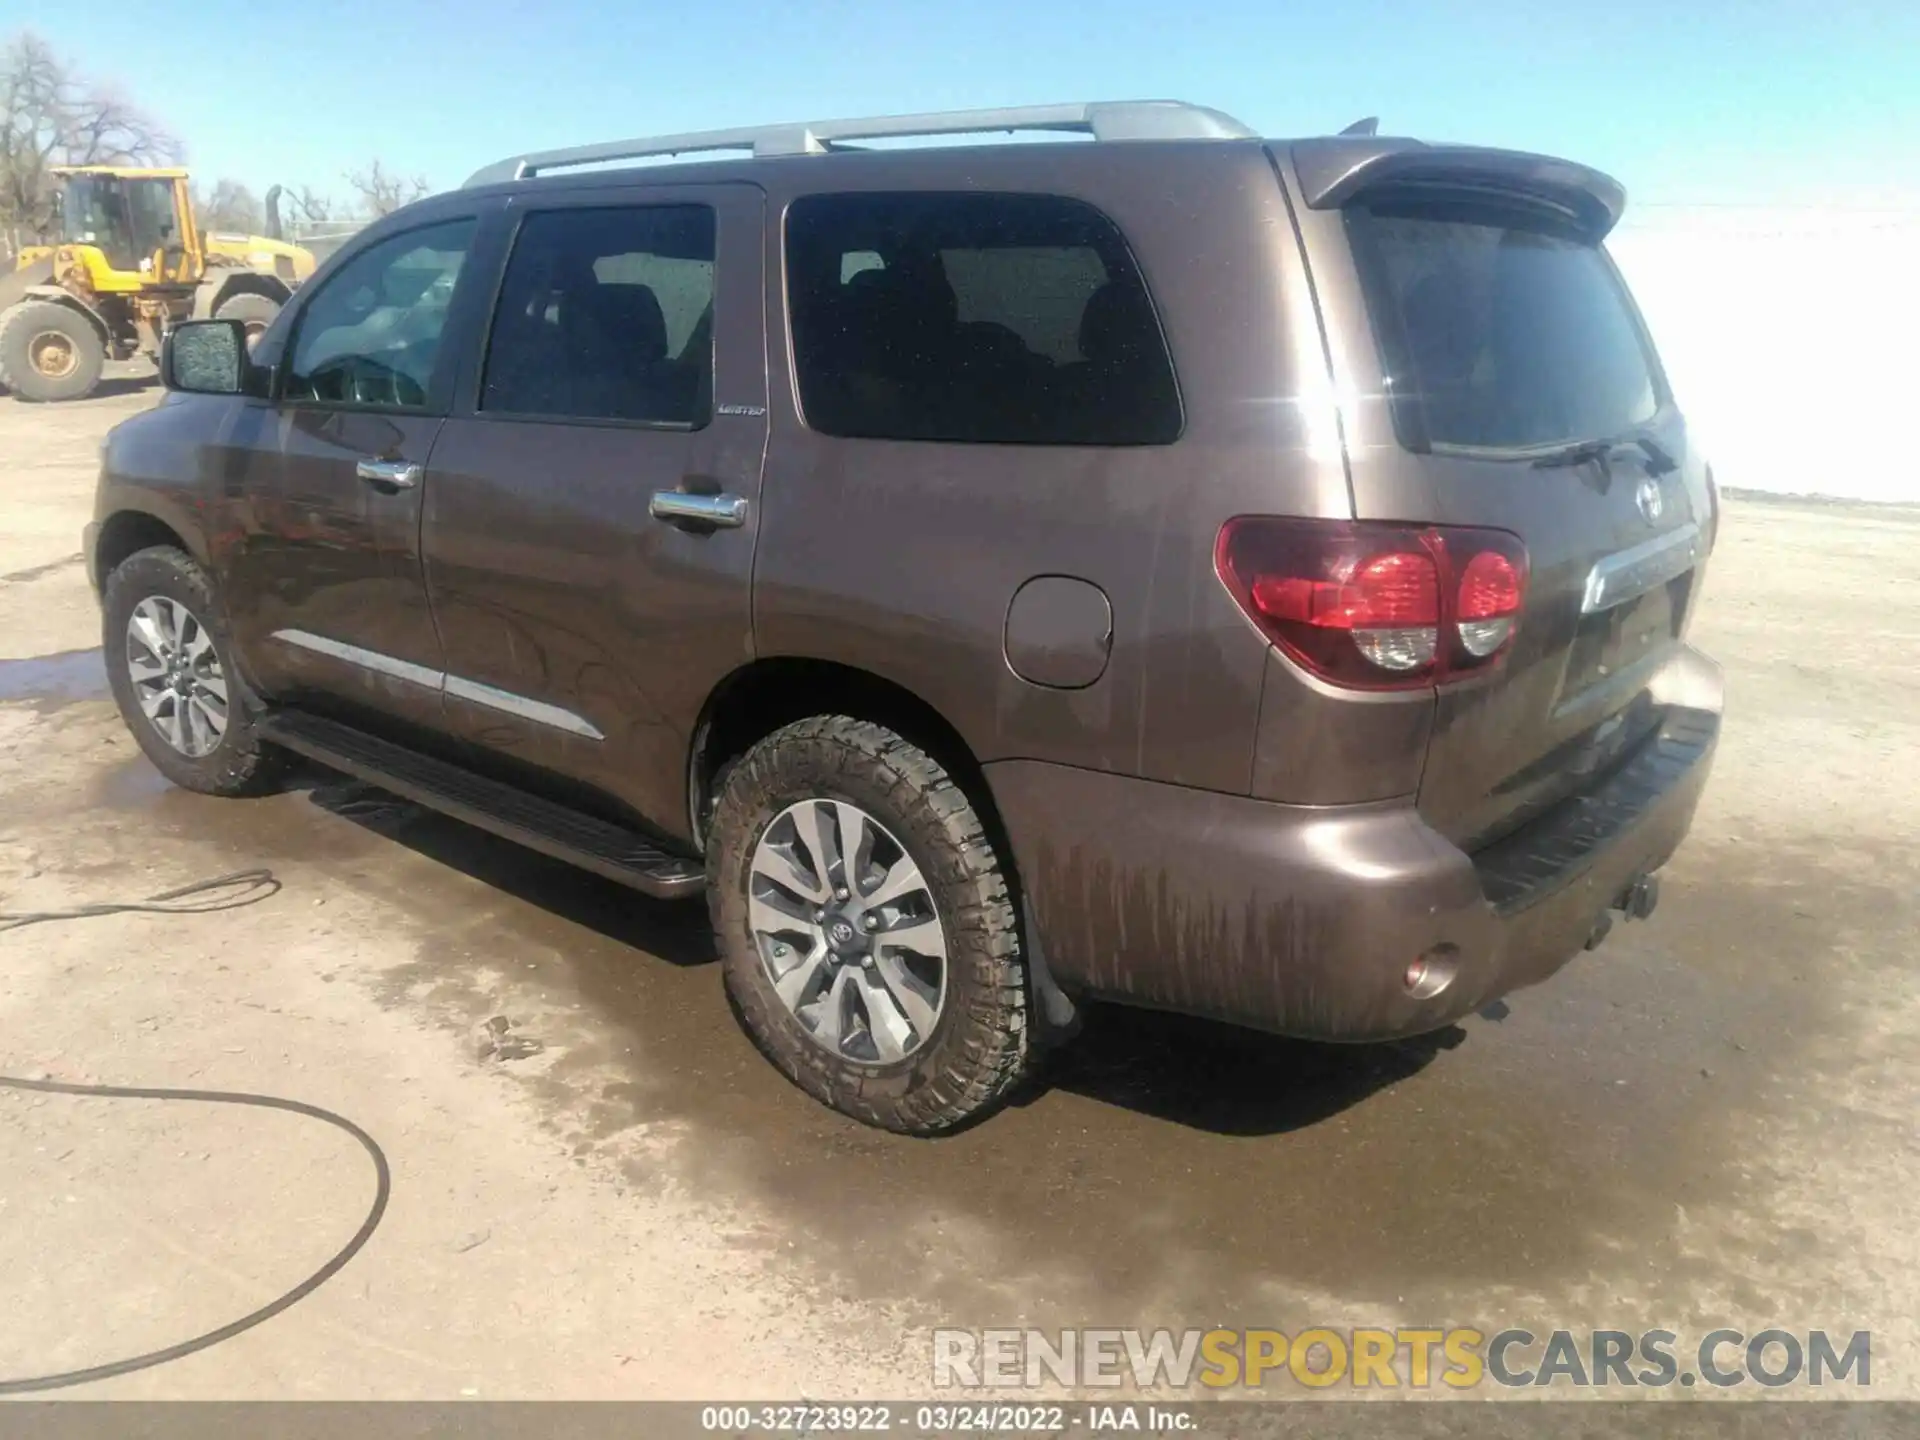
(1376, 607)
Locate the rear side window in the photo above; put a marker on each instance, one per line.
(1501, 327)
(992, 319)
(606, 314)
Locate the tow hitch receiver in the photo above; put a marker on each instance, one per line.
(1636, 902)
(1638, 899)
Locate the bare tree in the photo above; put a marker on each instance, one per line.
(232, 207)
(381, 192)
(31, 120)
(50, 115)
(310, 204)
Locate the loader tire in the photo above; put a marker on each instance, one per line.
(49, 351)
(256, 312)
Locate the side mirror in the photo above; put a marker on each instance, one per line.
(209, 357)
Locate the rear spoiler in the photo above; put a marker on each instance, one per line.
(1334, 169)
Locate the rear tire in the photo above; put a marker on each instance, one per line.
(256, 312)
(966, 1048)
(49, 352)
(159, 605)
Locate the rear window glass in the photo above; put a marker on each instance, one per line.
(1008, 319)
(1500, 328)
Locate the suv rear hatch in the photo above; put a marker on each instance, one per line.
(1499, 377)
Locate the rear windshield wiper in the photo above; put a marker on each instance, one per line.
(1659, 462)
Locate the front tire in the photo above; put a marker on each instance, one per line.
(170, 665)
(49, 352)
(865, 928)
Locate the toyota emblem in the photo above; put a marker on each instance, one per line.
(840, 932)
(1650, 501)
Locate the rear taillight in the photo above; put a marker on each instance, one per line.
(1377, 607)
(1487, 605)
(1385, 605)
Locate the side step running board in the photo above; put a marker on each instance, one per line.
(621, 855)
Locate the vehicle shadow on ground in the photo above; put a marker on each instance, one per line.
(676, 932)
(114, 385)
(1196, 1073)
(1225, 1079)
(109, 387)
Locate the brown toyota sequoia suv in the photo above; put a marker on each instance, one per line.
(1232, 576)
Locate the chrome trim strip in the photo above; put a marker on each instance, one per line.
(506, 701)
(365, 659)
(537, 711)
(1630, 573)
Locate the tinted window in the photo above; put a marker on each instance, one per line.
(1500, 329)
(1018, 319)
(371, 335)
(607, 315)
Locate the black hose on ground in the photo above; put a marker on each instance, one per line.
(383, 1188)
(223, 893)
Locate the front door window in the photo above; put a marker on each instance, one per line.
(371, 337)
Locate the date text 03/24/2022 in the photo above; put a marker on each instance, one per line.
(945, 1419)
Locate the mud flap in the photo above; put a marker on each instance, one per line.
(1056, 1017)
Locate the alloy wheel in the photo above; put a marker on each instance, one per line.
(847, 931)
(176, 676)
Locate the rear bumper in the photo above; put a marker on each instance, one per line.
(1303, 920)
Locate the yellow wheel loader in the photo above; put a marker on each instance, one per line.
(131, 262)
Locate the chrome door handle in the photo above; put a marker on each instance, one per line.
(396, 474)
(722, 512)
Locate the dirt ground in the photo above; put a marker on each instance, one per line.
(1708, 1122)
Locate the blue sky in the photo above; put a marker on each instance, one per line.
(1715, 101)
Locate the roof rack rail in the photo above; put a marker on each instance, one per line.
(1102, 119)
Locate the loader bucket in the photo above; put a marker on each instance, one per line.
(15, 284)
